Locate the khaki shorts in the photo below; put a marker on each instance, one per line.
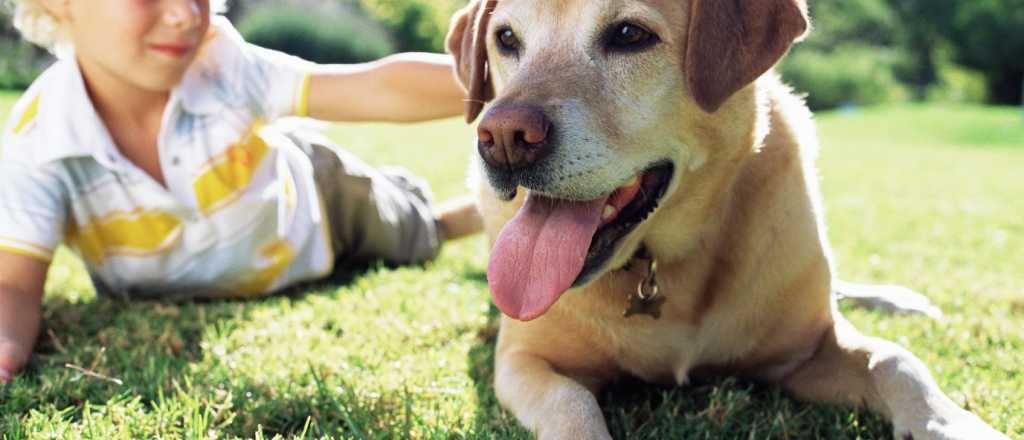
(375, 213)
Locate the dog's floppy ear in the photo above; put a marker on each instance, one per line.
(467, 41)
(730, 43)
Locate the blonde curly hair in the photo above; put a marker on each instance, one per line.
(37, 26)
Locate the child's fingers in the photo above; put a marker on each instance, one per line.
(12, 357)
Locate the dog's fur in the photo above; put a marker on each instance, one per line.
(744, 262)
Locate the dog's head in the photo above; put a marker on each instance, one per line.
(599, 109)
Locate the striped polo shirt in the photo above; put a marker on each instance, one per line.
(240, 215)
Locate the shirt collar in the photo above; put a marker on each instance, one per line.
(206, 86)
(70, 125)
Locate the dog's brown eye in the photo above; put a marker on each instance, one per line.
(629, 37)
(507, 40)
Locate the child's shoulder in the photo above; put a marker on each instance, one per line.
(21, 131)
(21, 140)
(232, 75)
(216, 78)
(224, 48)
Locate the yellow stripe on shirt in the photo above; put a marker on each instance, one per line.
(137, 233)
(291, 200)
(277, 255)
(28, 116)
(25, 248)
(230, 172)
(302, 100)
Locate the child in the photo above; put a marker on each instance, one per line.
(151, 149)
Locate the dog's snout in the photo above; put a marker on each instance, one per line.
(513, 136)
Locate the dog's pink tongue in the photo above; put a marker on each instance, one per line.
(539, 253)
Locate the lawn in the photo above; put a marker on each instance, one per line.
(927, 196)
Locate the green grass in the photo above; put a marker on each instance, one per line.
(7, 99)
(924, 196)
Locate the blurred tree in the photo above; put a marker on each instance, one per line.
(338, 32)
(853, 75)
(989, 35)
(925, 26)
(417, 25)
(842, 22)
(20, 62)
(237, 9)
(926, 38)
(850, 56)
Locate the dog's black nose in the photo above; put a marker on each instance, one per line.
(513, 136)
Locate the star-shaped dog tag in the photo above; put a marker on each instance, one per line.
(640, 306)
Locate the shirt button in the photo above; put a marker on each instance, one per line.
(175, 161)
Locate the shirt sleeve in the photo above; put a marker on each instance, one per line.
(283, 81)
(273, 83)
(33, 211)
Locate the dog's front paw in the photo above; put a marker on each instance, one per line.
(963, 426)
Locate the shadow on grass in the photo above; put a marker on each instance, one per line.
(490, 418)
(316, 406)
(723, 408)
(99, 351)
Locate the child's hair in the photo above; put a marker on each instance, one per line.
(37, 25)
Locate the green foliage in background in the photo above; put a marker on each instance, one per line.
(955, 83)
(328, 33)
(923, 28)
(20, 62)
(852, 57)
(417, 25)
(346, 30)
(989, 36)
(944, 48)
(842, 22)
(850, 75)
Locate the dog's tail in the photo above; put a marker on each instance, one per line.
(889, 298)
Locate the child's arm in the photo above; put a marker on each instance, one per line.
(21, 295)
(406, 87)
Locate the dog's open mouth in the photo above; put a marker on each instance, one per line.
(552, 245)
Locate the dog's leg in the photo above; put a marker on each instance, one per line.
(546, 402)
(897, 299)
(851, 368)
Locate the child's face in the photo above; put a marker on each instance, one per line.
(147, 43)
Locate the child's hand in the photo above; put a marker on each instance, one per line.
(21, 297)
(12, 357)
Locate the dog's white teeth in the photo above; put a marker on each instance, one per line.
(609, 212)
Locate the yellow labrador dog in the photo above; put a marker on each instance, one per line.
(649, 191)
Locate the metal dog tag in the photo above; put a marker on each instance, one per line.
(647, 299)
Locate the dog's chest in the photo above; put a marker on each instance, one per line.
(661, 352)
(662, 349)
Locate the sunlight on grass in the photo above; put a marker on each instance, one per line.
(924, 196)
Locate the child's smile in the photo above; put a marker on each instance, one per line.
(173, 50)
